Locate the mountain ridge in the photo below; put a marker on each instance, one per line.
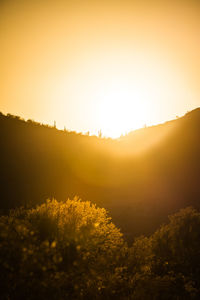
(140, 178)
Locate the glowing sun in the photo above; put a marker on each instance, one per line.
(119, 93)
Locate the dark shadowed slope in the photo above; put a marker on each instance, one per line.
(140, 178)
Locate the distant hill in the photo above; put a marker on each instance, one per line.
(141, 177)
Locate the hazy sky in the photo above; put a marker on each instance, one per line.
(90, 65)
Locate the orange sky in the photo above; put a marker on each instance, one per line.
(90, 65)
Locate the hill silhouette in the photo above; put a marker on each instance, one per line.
(140, 178)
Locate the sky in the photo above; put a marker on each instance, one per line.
(113, 66)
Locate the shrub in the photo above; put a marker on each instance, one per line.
(167, 265)
(60, 250)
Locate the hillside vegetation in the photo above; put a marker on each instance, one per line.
(72, 250)
(140, 178)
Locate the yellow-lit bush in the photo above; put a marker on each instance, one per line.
(60, 250)
(167, 264)
(72, 250)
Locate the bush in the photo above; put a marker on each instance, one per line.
(167, 265)
(60, 250)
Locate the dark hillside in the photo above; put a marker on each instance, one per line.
(141, 178)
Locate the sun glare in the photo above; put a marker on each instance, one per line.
(120, 109)
(123, 91)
